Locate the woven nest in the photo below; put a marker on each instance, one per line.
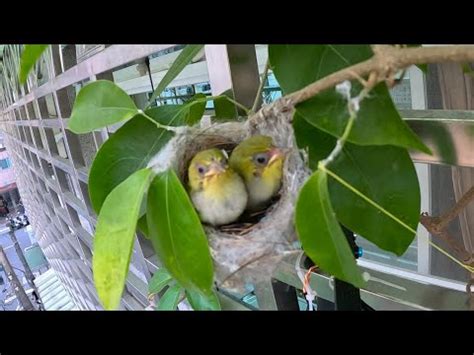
(247, 251)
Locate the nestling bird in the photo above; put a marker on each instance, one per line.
(260, 164)
(217, 191)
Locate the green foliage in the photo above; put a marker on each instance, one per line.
(197, 300)
(372, 187)
(378, 122)
(385, 174)
(320, 234)
(123, 154)
(114, 236)
(171, 298)
(225, 109)
(29, 57)
(177, 234)
(376, 163)
(160, 279)
(183, 59)
(202, 302)
(180, 115)
(99, 104)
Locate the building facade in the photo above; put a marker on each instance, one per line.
(51, 164)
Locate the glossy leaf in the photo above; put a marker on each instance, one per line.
(169, 301)
(320, 234)
(385, 174)
(29, 57)
(179, 115)
(224, 109)
(99, 104)
(183, 59)
(201, 302)
(129, 149)
(142, 226)
(160, 279)
(114, 236)
(177, 234)
(378, 121)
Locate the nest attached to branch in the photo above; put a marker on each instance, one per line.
(248, 250)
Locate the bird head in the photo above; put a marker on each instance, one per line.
(257, 156)
(207, 167)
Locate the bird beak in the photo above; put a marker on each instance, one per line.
(275, 154)
(215, 169)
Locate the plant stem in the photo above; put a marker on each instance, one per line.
(260, 88)
(341, 141)
(353, 107)
(159, 125)
(238, 104)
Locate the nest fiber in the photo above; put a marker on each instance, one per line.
(251, 255)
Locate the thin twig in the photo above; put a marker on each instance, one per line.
(447, 217)
(260, 88)
(430, 224)
(437, 225)
(353, 105)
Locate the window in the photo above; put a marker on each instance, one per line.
(5, 163)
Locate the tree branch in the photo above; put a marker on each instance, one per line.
(448, 216)
(437, 225)
(386, 61)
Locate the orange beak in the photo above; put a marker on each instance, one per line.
(275, 154)
(215, 169)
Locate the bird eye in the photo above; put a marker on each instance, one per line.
(261, 158)
(201, 170)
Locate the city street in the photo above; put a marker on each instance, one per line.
(25, 239)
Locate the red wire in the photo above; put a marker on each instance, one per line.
(307, 277)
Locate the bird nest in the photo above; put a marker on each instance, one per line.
(248, 250)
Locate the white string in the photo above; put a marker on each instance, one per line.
(310, 294)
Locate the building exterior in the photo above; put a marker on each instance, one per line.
(8, 188)
(51, 164)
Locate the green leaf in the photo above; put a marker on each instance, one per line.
(201, 302)
(99, 104)
(142, 226)
(183, 59)
(170, 300)
(179, 115)
(224, 109)
(320, 234)
(385, 174)
(31, 54)
(129, 149)
(160, 279)
(177, 234)
(114, 236)
(378, 121)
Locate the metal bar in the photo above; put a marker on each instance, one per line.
(110, 58)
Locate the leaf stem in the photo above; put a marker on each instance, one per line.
(238, 104)
(159, 125)
(353, 106)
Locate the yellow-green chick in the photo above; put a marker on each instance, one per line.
(217, 191)
(260, 164)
